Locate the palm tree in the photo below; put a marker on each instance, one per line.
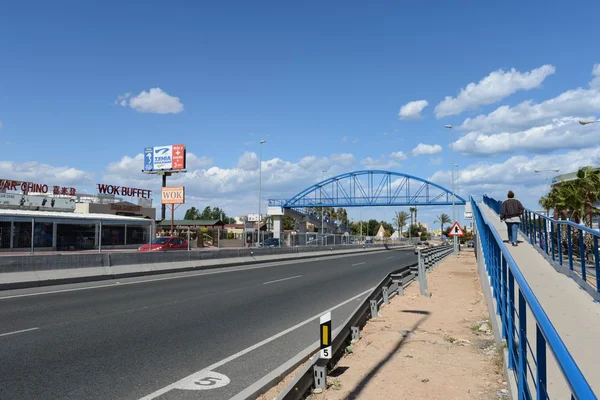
(588, 184)
(413, 214)
(443, 219)
(400, 220)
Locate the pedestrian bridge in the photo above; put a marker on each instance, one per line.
(544, 296)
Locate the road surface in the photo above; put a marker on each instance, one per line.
(140, 337)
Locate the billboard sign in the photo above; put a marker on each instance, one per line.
(164, 158)
(253, 218)
(173, 195)
(38, 203)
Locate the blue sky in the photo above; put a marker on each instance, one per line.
(315, 80)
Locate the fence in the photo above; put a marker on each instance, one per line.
(571, 248)
(508, 284)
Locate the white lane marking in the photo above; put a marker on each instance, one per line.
(390, 257)
(267, 264)
(247, 350)
(360, 263)
(21, 331)
(204, 380)
(281, 280)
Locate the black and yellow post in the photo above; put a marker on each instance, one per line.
(326, 335)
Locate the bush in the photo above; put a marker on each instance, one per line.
(230, 235)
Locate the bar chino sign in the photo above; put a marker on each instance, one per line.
(32, 187)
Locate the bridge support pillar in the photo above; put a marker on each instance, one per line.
(277, 226)
(302, 233)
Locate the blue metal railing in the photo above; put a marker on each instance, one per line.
(504, 273)
(563, 242)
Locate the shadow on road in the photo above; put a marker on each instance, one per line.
(365, 381)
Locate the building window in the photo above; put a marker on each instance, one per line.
(137, 234)
(42, 234)
(22, 235)
(113, 235)
(75, 237)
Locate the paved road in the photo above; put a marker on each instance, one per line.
(137, 338)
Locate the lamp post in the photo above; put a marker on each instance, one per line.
(546, 173)
(259, 187)
(584, 122)
(322, 208)
(455, 241)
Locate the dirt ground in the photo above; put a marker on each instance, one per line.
(439, 347)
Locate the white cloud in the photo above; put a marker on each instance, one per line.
(426, 149)
(153, 101)
(436, 161)
(493, 88)
(379, 163)
(248, 161)
(413, 109)
(564, 133)
(595, 82)
(516, 173)
(344, 159)
(44, 173)
(575, 102)
(398, 155)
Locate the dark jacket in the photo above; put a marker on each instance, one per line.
(511, 208)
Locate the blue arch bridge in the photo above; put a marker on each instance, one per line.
(368, 188)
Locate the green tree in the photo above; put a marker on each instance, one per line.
(443, 219)
(191, 213)
(288, 223)
(400, 220)
(588, 185)
(414, 230)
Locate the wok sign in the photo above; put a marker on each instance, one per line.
(173, 195)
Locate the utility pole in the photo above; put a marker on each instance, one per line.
(453, 196)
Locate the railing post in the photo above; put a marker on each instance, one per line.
(540, 355)
(422, 277)
(552, 241)
(522, 369)
(546, 249)
(582, 255)
(559, 242)
(570, 247)
(503, 295)
(511, 320)
(386, 298)
(597, 263)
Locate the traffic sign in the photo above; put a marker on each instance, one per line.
(456, 230)
(326, 335)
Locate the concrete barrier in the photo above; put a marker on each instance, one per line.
(43, 270)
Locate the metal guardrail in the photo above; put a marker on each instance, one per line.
(504, 273)
(563, 242)
(314, 374)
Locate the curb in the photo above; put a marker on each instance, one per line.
(105, 277)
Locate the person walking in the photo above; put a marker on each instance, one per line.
(512, 209)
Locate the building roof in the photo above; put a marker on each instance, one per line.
(7, 214)
(571, 175)
(191, 222)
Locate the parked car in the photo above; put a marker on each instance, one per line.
(421, 246)
(270, 242)
(166, 244)
(470, 243)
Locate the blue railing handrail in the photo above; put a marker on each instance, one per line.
(573, 375)
(556, 221)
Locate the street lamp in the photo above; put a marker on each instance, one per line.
(455, 241)
(546, 172)
(322, 208)
(259, 186)
(582, 122)
(457, 179)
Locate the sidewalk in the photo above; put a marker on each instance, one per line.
(426, 348)
(571, 310)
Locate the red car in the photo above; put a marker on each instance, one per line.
(166, 243)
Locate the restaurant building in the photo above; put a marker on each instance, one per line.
(39, 217)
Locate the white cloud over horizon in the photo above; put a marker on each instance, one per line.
(413, 109)
(426, 149)
(491, 89)
(398, 155)
(153, 101)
